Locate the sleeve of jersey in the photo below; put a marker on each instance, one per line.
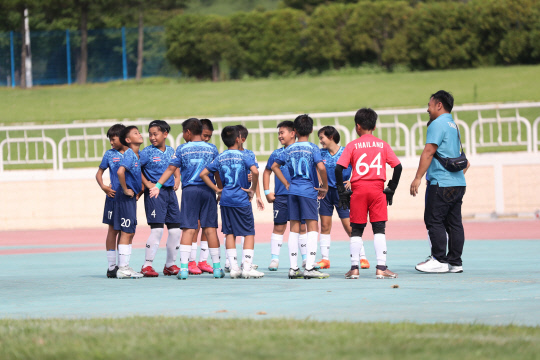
(144, 158)
(255, 161)
(249, 162)
(127, 161)
(212, 167)
(104, 162)
(345, 158)
(391, 157)
(317, 158)
(347, 173)
(281, 159)
(177, 159)
(435, 134)
(270, 161)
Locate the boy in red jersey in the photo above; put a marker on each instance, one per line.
(368, 156)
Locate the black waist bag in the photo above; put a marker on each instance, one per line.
(453, 164)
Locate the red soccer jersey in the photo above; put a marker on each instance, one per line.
(368, 156)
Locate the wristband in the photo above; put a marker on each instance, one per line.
(158, 185)
(266, 192)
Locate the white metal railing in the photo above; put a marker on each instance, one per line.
(405, 132)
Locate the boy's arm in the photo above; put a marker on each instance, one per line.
(177, 179)
(324, 181)
(344, 195)
(260, 203)
(146, 182)
(270, 196)
(254, 182)
(204, 176)
(154, 192)
(392, 184)
(122, 179)
(107, 189)
(276, 169)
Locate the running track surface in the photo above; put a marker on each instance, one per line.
(62, 274)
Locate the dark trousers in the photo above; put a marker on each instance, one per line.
(441, 216)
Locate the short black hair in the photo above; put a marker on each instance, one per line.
(366, 118)
(303, 125)
(207, 124)
(445, 98)
(287, 123)
(162, 125)
(115, 130)
(331, 133)
(125, 133)
(229, 135)
(194, 125)
(243, 131)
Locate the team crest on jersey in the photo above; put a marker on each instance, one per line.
(115, 159)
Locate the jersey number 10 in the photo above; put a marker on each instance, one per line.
(376, 163)
(301, 163)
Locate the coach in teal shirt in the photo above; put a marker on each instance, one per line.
(444, 195)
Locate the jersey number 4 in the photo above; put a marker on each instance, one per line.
(363, 168)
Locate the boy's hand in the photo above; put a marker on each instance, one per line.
(109, 191)
(250, 193)
(322, 193)
(219, 191)
(129, 193)
(218, 198)
(154, 192)
(389, 195)
(250, 177)
(176, 186)
(287, 185)
(260, 204)
(347, 185)
(271, 197)
(344, 198)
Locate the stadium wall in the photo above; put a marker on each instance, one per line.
(498, 185)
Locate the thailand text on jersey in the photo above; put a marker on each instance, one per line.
(330, 161)
(192, 158)
(133, 171)
(368, 157)
(111, 159)
(279, 188)
(154, 162)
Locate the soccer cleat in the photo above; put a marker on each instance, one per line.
(385, 274)
(183, 274)
(193, 269)
(295, 274)
(252, 274)
(149, 272)
(431, 265)
(125, 272)
(111, 274)
(324, 264)
(455, 268)
(364, 264)
(274, 264)
(171, 270)
(235, 273)
(352, 274)
(316, 266)
(253, 266)
(204, 267)
(227, 268)
(315, 274)
(218, 273)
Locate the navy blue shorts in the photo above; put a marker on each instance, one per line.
(303, 208)
(198, 203)
(108, 211)
(281, 209)
(164, 209)
(330, 201)
(237, 221)
(125, 213)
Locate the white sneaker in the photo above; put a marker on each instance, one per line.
(315, 274)
(125, 272)
(274, 264)
(253, 266)
(235, 273)
(252, 274)
(455, 269)
(432, 265)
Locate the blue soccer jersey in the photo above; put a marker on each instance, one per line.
(301, 159)
(133, 171)
(192, 158)
(233, 166)
(111, 160)
(279, 188)
(330, 161)
(154, 162)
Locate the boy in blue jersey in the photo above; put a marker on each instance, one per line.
(279, 198)
(198, 200)
(236, 212)
(111, 160)
(303, 160)
(125, 200)
(329, 138)
(155, 160)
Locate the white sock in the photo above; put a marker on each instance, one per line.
(363, 252)
(173, 244)
(379, 241)
(311, 247)
(233, 261)
(356, 245)
(242, 247)
(152, 245)
(227, 262)
(325, 246)
(203, 255)
(275, 243)
(185, 251)
(111, 258)
(248, 258)
(216, 256)
(124, 254)
(302, 243)
(193, 253)
(293, 249)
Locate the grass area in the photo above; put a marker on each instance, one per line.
(197, 338)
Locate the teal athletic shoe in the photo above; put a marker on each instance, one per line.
(218, 273)
(183, 274)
